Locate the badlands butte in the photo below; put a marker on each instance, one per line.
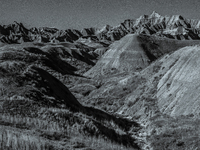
(132, 86)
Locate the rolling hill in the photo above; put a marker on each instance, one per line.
(124, 55)
(163, 97)
(133, 53)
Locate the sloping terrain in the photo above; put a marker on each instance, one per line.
(39, 112)
(42, 108)
(163, 97)
(124, 55)
(178, 88)
(174, 77)
(168, 80)
(133, 53)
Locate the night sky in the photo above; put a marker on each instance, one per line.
(78, 14)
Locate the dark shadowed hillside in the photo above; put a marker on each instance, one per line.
(39, 112)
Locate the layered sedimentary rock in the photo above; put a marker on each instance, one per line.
(124, 55)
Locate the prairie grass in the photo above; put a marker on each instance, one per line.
(35, 115)
(56, 128)
(16, 140)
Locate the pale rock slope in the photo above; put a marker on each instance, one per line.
(133, 53)
(124, 55)
(170, 86)
(178, 90)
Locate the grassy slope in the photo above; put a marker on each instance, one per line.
(39, 112)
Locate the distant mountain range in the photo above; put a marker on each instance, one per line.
(175, 27)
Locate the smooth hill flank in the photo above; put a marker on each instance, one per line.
(168, 86)
(163, 97)
(124, 55)
(171, 85)
(133, 53)
(178, 90)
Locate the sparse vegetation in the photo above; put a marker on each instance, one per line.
(180, 133)
(38, 112)
(54, 125)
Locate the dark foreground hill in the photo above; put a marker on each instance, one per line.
(39, 112)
